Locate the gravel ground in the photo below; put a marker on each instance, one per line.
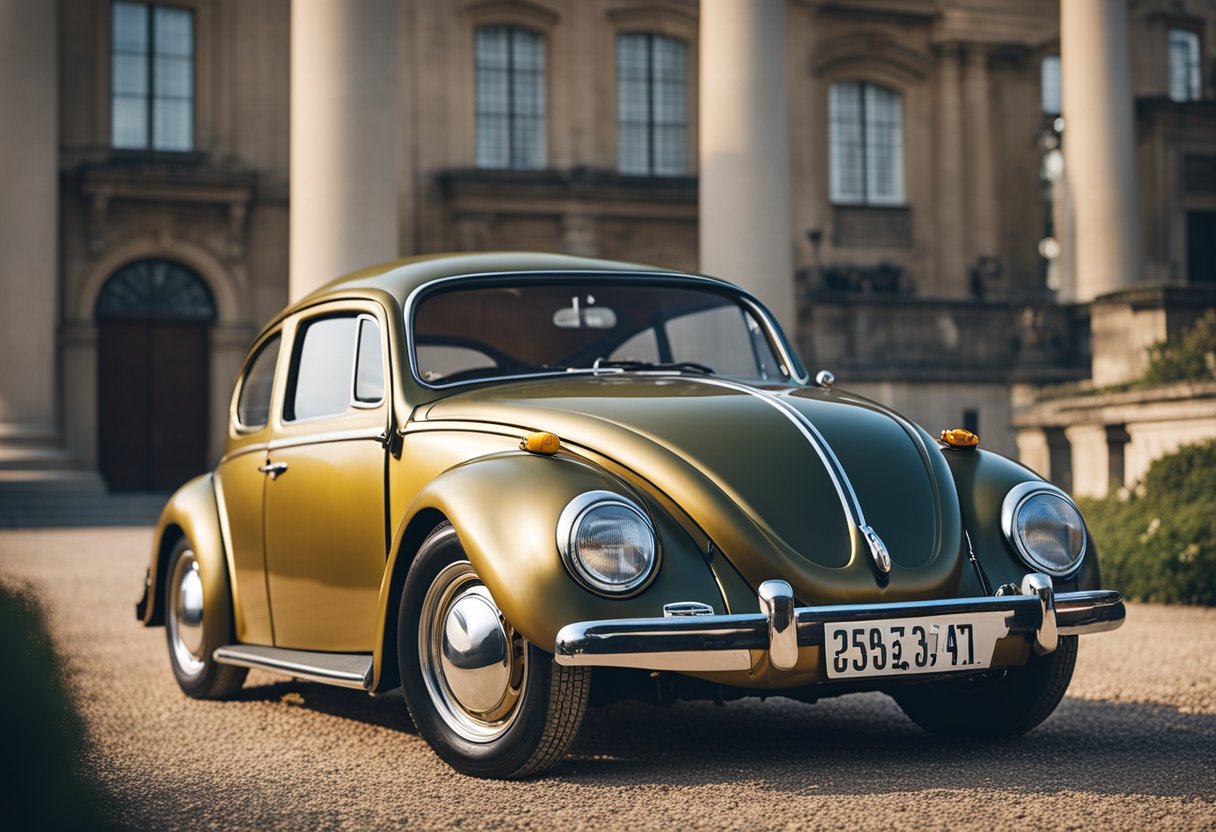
(1133, 746)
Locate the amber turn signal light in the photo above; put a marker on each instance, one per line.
(540, 442)
(959, 438)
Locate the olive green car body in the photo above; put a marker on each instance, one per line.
(736, 496)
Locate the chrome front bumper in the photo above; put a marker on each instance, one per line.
(724, 642)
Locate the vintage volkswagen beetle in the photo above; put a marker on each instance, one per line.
(478, 477)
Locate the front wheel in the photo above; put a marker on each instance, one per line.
(488, 702)
(1004, 703)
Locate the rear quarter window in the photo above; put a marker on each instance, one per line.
(253, 403)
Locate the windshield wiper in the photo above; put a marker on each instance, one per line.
(626, 366)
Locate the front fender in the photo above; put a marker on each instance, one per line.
(191, 512)
(983, 479)
(504, 508)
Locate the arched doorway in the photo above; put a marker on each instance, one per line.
(153, 318)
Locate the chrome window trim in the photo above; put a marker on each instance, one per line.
(244, 450)
(354, 373)
(775, 337)
(1015, 498)
(376, 432)
(567, 526)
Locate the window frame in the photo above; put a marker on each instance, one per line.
(355, 401)
(353, 416)
(149, 97)
(651, 123)
(866, 200)
(511, 110)
(260, 347)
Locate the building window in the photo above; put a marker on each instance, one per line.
(650, 100)
(510, 78)
(866, 144)
(1185, 77)
(151, 77)
(1050, 85)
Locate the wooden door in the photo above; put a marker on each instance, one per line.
(1201, 246)
(152, 403)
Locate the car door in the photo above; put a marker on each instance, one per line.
(325, 491)
(239, 484)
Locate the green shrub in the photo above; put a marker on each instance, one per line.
(41, 733)
(1158, 541)
(1189, 357)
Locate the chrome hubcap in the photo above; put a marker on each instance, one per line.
(186, 615)
(473, 662)
(474, 652)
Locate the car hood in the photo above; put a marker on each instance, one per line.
(780, 495)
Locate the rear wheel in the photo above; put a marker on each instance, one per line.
(1004, 703)
(191, 642)
(489, 703)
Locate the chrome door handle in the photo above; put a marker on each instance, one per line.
(273, 468)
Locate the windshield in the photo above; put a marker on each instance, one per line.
(469, 332)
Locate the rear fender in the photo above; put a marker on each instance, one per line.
(191, 512)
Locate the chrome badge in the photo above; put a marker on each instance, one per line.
(878, 549)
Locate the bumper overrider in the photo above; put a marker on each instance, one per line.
(694, 642)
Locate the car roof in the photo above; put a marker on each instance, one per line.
(399, 278)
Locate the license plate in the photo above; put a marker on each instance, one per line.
(908, 646)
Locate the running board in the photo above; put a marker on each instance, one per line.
(348, 670)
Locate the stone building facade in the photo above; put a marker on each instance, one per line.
(929, 193)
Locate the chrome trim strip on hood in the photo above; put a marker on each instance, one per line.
(844, 488)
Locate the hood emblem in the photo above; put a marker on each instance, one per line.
(878, 549)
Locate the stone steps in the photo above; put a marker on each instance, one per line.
(60, 499)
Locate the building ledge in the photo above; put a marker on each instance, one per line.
(582, 184)
(154, 178)
(1181, 400)
(1160, 295)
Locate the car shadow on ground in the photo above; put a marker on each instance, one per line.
(863, 744)
(857, 744)
(385, 710)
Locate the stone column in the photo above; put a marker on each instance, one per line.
(29, 223)
(951, 278)
(344, 178)
(984, 235)
(1100, 146)
(745, 215)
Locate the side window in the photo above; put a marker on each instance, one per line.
(253, 405)
(323, 373)
(369, 364)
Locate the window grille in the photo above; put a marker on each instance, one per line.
(510, 98)
(151, 77)
(155, 290)
(866, 164)
(1186, 83)
(1049, 79)
(651, 110)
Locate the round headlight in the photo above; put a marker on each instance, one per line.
(607, 542)
(1044, 527)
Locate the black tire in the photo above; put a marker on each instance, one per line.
(541, 707)
(1004, 703)
(193, 636)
